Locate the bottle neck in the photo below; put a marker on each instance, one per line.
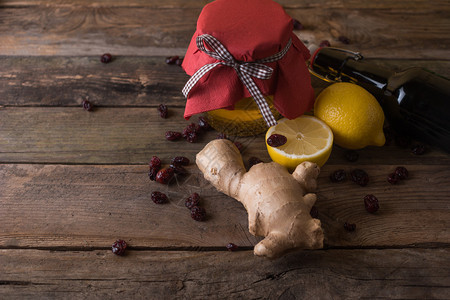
(337, 65)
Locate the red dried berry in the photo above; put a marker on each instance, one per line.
(392, 178)
(159, 198)
(344, 39)
(371, 203)
(171, 60)
(87, 105)
(401, 172)
(203, 123)
(164, 175)
(118, 247)
(351, 155)
(253, 161)
(232, 247)
(192, 201)
(297, 24)
(163, 111)
(360, 177)
(314, 212)
(180, 161)
(349, 226)
(222, 136)
(173, 135)
(155, 163)
(190, 133)
(152, 174)
(106, 58)
(198, 213)
(179, 62)
(324, 43)
(338, 176)
(276, 140)
(418, 149)
(178, 170)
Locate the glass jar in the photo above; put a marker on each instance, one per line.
(244, 120)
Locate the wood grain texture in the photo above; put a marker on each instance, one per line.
(88, 206)
(336, 274)
(398, 31)
(133, 135)
(127, 81)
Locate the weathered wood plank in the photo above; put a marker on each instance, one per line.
(129, 30)
(127, 81)
(88, 206)
(133, 135)
(336, 274)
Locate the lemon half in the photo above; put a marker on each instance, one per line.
(308, 139)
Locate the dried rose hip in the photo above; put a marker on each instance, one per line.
(344, 39)
(401, 172)
(171, 60)
(253, 161)
(297, 24)
(232, 247)
(180, 161)
(118, 247)
(371, 203)
(392, 178)
(314, 212)
(106, 58)
(359, 177)
(351, 155)
(203, 123)
(349, 226)
(418, 149)
(324, 43)
(192, 200)
(87, 105)
(276, 140)
(173, 135)
(164, 175)
(198, 213)
(163, 111)
(338, 176)
(159, 198)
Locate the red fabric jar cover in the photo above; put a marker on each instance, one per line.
(250, 30)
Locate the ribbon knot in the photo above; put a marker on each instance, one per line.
(244, 70)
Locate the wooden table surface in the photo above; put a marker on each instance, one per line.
(72, 181)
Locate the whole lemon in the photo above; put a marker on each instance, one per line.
(353, 114)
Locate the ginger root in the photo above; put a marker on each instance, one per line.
(278, 203)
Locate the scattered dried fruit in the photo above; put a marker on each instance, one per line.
(297, 24)
(118, 247)
(180, 161)
(314, 212)
(392, 178)
(338, 176)
(343, 39)
(191, 132)
(198, 213)
(232, 247)
(172, 60)
(164, 175)
(163, 111)
(401, 172)
(192, 201)
(178, 170)
(359, 177)
(253, 161)
(371, 203)
(324, 43)
(155, 166)
(418, 149)
(276, 140)
(159, 198)
(351, 155)
(87, 105)
(173, 135)
(203, 123)
(106, 58)
(349, 226)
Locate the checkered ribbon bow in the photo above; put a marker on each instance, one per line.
(244, 70)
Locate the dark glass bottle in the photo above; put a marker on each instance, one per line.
(416, 102)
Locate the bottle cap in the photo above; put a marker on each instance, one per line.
(251, 31)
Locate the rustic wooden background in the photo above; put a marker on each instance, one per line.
(72, 182)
